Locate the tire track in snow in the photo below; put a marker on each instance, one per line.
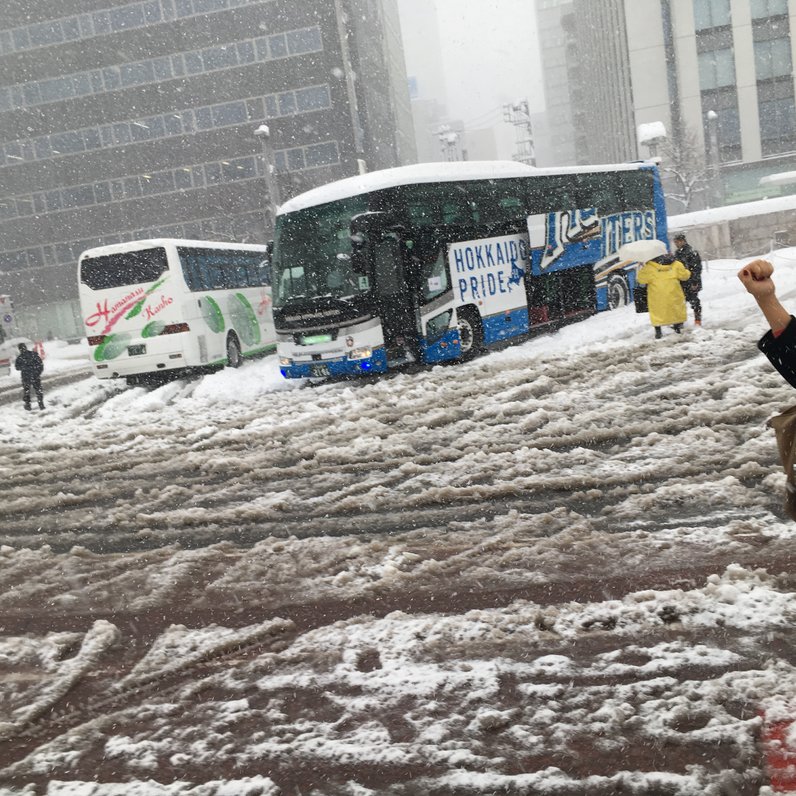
(503, 433)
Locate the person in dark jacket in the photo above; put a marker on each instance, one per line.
(779, 342)
(690, 258)
(30, 366)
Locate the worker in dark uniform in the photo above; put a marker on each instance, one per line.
(690, 258)
(30, 366)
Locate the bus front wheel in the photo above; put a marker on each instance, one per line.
(618, 292)
(234, 358)
(470, 333)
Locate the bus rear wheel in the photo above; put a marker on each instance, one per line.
(234, 358)
(471, 334)
(618, 292)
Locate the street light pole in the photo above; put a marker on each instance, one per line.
(263, 132)
(716, 197)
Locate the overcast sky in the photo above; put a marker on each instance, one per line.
(490, 57)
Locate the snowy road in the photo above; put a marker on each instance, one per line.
(632, 432)
(561, 568)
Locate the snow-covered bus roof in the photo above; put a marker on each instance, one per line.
(150, 243)
(419, 173)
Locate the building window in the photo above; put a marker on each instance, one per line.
(772, 58)
(716, 69)
(310, 157)
(769, 8)
(138, 73)
(229, 114)
(724, 102)
(777, 118)
(711, 14)
(304, 41)
(313, 98)
(45, 33)
(322, 155)
(774, 73)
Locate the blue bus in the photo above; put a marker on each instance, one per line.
(433, 262)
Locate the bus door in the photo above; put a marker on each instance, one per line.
(565, 244)
(395, 300)
(439, 337)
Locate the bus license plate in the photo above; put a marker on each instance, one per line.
(319, 370)
(136, 350)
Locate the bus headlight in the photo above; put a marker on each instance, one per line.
(286, 361)
(360, 353)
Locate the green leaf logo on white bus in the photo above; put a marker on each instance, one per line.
(244, 319)
(153, 329)
(212, 315)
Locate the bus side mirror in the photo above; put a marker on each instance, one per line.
(360, 255)
(269, 249)
(363, 228)
(366, 230)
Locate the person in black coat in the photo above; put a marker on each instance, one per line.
(30, 366)
(779, 342)
(690, 258)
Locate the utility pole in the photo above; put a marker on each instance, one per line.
(519, 115)
(716, 191)
(351, 93)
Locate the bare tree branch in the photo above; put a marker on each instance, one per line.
(684, 167)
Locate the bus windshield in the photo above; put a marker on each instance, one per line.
(124, 268)
(312, 253)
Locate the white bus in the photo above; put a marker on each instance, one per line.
(161, 305)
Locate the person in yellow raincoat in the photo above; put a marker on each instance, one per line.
(665, 296)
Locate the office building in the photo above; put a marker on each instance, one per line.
(125, 120)
(718, 72)
(725, 73)
(556, 144)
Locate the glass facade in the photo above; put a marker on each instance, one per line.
(176, 123)
(711, 14)
(193, 62)
(761, 9)
(139, 120)
(122, 18)
(718, 91)
(774, 75)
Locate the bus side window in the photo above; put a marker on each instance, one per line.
(435, 278)
(452, 213)
(635, 190)
(421, 214)
(598, 190)
(205, 274)
(191, 269)
(556, 194)
(496, 204)
(189, 272)
(215, 279)
(510, 207)
(258, 273)
(238, 274)
(535, 195)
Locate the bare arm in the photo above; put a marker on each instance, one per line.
(756, 278)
